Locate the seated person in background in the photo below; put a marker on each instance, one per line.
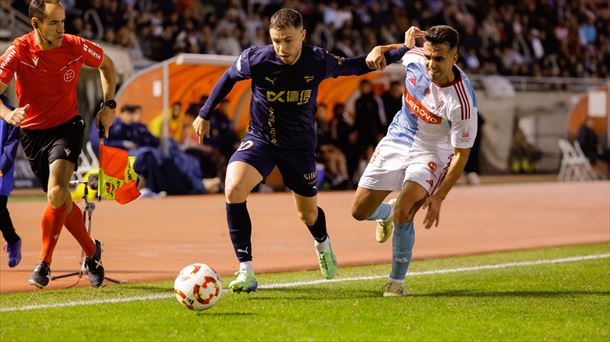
(589, 143)
(174, 123)
(523, 155)
(175, 174)
(369, 119)
(392, 102)
(342, 135)
(222, 133)
(128, 132)
(332, 157)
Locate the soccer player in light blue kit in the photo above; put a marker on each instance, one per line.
(285, 79)
(425, 149)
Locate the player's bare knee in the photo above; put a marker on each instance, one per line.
(309, 217)
(402, 216)
(358, 213)
(235, 193)
(56, 196)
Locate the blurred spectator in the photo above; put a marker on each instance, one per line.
(370, 119)
(213, 163)
(222, 133)
(343, 136)
(392, 102)
(128, 132)
(176, 174)
(534, 37)
(473, 168)
(593, 150)
(174, 123)
(330, 155)
(523, 155)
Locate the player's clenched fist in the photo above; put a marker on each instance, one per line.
(15, 116)
(104, 119)
(375, 59)
(412, 33)
(202, 128)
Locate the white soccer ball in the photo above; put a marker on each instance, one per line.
(198, 287)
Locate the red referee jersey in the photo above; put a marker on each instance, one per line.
(47, 80)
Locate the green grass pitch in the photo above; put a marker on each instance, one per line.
(553, 301)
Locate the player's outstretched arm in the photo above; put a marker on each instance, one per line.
(433, 203)
(411, 34)
(240, 70)
(221, 89)
(377, 59)
(339, 66)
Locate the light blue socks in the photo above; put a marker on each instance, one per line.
(381, 213)
(402, 249)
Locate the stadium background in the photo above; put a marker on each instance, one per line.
(533, 63)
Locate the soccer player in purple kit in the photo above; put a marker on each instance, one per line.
(285, 78)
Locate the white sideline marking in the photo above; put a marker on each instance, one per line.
(315, 282)
(86, 302)
(451, 270)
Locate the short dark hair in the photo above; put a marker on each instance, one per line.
(130, 108)
(36, 9)
(285, 18)
(443, 34)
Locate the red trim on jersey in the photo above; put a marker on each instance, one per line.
(418, 109)
(457, 79)
(465, 105)
(443, 174)
(467, 101)
(457, 90)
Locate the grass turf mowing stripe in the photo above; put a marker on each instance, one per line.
(316, 282)
(443, 271)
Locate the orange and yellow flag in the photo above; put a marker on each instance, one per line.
(117, 178)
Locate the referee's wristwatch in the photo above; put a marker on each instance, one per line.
(109, 103)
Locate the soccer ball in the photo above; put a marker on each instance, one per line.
(198, 287)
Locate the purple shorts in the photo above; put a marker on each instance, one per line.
(298, 167)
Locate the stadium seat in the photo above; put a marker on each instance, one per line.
(574, 164)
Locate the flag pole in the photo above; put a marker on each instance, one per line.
(98, 195)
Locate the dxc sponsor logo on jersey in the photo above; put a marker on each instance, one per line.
(422, 112)
(289, 96)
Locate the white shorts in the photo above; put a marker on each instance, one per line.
(394, 163)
